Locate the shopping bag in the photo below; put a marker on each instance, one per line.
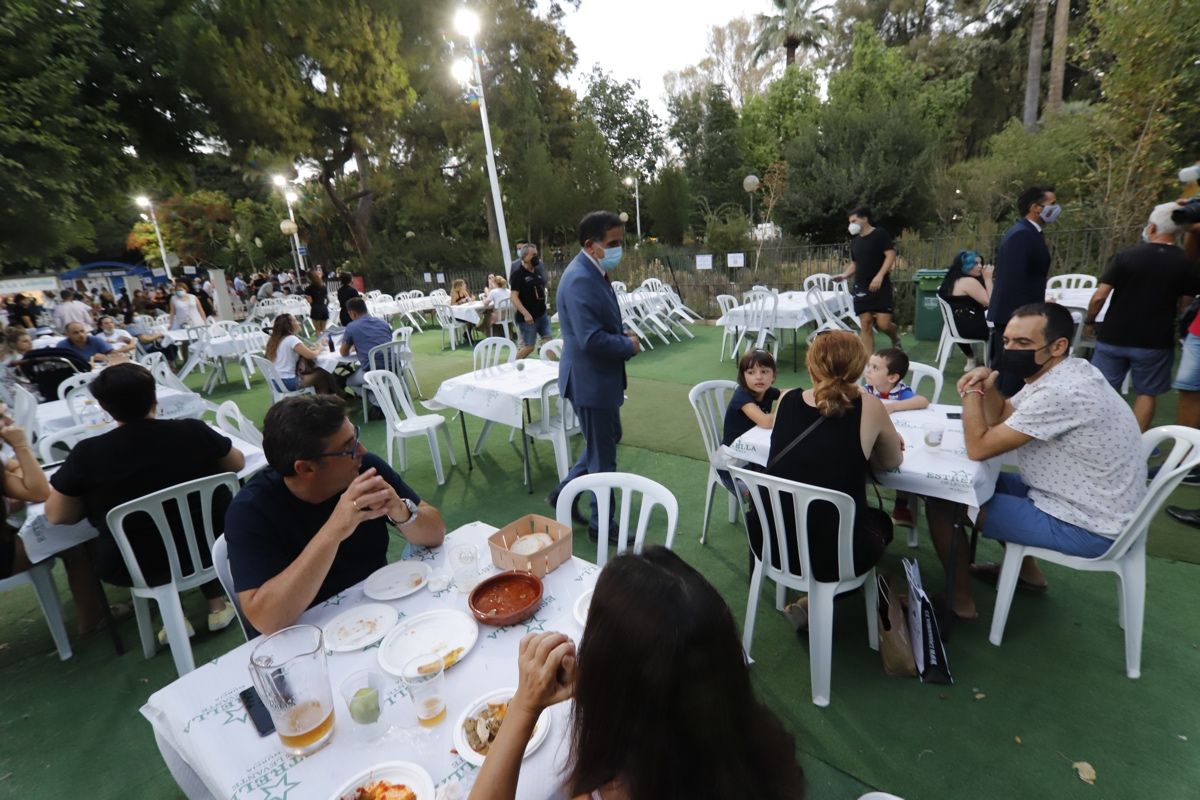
(895, 648)
(929, 652)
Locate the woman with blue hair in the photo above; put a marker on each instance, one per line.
(967, 288)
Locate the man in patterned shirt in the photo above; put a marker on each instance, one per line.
(1076, 443)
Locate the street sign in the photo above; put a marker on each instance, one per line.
(303, 250)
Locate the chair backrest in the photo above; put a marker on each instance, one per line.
(921, 372)
(709, 400)
(602, 483)
(1074, 280)
(726, 302)
(83, 407)
(445, 317)
(53, 447)
(274, 381)
(24, 410)
(505, 311)
(438, 293)
(653, 285)
(222, 327)
(389, 356)
(619, 286)
(565, 421)
(493, 351)
(1182, 459)
(403, 335)
(74, 382)
(154, 506)
(149, 360)
(389, 391)
(553, 347)
(767, 493)
(760, 309)
(163, 376)
(231, 420)
(824, 316)
(820, 280)
(220, 561)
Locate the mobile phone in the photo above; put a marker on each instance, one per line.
(953, 415)
(259, 714)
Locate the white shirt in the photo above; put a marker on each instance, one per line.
(74, 311)
(187, 311)
(496, 295)
(286, 356)
(1084, 465)
(117, 338)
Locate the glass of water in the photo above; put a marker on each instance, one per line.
(464, 564)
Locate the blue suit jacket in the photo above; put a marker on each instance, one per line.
(591, 372)
(1022, 265)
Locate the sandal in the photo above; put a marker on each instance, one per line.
(990, 574)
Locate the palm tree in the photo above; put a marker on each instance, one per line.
(1033, 71)
(797, 25)
(1058, 55)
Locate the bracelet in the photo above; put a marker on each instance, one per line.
(966, 392)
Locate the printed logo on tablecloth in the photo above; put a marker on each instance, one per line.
(958, 479)
(228, 708)
(336, 600)
(268, 779)
(395, 692)
(535, 623)
(420, 553)
(585, 572)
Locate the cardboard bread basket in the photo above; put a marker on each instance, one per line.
(539, 563)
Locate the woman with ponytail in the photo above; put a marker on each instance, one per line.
(855, 436)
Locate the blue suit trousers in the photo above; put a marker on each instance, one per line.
(601, 432)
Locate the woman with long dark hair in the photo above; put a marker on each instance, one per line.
(663, 703)
(967, 289)
(318, 298)
(285, 349)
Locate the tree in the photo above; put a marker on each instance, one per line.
(1058, 55)
(772, 119)
(797, 26)
(1033, 69)
(669, 204)
(717, 172)
(632, 131)
(729, 60)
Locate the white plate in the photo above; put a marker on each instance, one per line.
(439, 632)
(409, 774)
(357, 627)
(581, 607)
(540, 729)
(396, 580)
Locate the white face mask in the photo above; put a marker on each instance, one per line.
(854, 228)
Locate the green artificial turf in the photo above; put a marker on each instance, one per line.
(1011, 726)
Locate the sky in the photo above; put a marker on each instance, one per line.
(645, 39)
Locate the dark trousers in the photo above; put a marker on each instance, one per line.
(1008, 384)
(601, 432)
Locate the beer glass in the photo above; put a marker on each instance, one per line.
(289, 671)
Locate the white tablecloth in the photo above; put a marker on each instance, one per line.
(1078, 298)
(497, 394)
(944, 472)
(172, 404)
(202, 728)
(469, 312)
(793, 311)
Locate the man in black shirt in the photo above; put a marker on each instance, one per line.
(344, 294)
(528, 285)
(1149, 285)
(872, 254)
(315, 522)
(143, 455)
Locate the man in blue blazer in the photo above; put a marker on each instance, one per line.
(1022, 265)
(591, 370)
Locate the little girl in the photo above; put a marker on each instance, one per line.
(751, 401)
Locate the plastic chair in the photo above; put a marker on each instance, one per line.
(42, 579)
(1127, 555)
(823, 315)
(820, 594)
(727, 302)
(404, 423)
(154, 506)
(709, 400)
(602, 484)
(619, 286)
(278, 389)
(24, 410)
(820, 281)
(950, 336)
(64, 439)
(506, 317)
(231, 420)
(389, 356)
(551, 348)
(450, 325)
(404, 336)
(653, 285)
(1074, 280)
(220, 560)
(760, 308)
(489, 353)
(74, 382)
(922, 372)
(556, 426)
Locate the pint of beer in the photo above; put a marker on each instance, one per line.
(288, 669)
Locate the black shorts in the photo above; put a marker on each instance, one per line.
(880, 302)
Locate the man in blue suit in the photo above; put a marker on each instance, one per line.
(591, 370)
(1022, 265)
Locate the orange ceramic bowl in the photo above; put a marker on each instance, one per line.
(506, 598)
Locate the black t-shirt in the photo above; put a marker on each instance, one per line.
(1147, 282)
(867, 252)
(267, 528)
(135, 460)
(343, 294)
(531, 288)
(736, 421)
(320, 300)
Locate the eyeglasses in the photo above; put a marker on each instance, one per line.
(351, 451)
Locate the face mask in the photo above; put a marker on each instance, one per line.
(854, 228)
(180, 293)
(1050, 213)
(1145, 234)
(612, 257)
(1021, 364)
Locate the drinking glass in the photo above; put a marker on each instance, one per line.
(933, 435)
(464, 564)
(425, 679)
(289, 671)
(364, 693)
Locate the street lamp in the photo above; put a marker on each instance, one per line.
(637, 202)
(466, 22)
(291, 197)
(750, 186)
(144, 202)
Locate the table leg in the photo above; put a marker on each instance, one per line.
(794, 348)
(462, 417)
(525, 448)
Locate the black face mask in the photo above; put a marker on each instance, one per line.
(535, 260)
(1021, 364)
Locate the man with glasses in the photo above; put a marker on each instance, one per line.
(315, 522)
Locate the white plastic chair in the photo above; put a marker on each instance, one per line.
(619, 286)
(506, 317)
(820, 280)
(709, 400)
(450, 325)
(729, 338)
(278, 389)
(220, 560)
(154, 506)
(820, 594)
(556, 426)
(760, 308)
(24, 410)
(950, 336)
(489, 353)
(1127, 555)
(653, 285)
(391, 357)
(404, 336)
(1074, 280)
(404, 423)
(231, 420)
(602, 484)
(923, 372)
(823, 315)
(551, 348)
(42, 580)
(64, 439)
(81, 379)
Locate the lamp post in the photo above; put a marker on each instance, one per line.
(466, 22)
(750, 186)
(144, 202)
(637, 202)
(291, 197)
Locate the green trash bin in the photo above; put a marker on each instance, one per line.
(927, 319)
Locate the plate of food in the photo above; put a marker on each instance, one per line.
(476, 729)
(396, 580)
(392, 780)
(450, 634)
(358, 627)
(582, 605)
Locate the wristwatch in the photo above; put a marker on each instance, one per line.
(412, 513)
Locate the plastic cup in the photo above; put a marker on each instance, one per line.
(933, 436)
(364, 693)
(464, 565)
(425, 679)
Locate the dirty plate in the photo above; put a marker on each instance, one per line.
(449, 634)
(359, 627)
(397, 580)
(581, 608)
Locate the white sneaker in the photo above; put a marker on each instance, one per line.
(971, 364)
(162, 632)
(219, 620)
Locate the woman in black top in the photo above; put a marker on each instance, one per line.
(855, 435)
(967, 288)
(318, 298)
(345, 293)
